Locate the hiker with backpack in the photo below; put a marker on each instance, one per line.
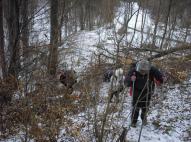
(141, 80)
(68, 78)
(117, 84)
(107, 75)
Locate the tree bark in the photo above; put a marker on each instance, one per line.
(143, 25)
(13, 29)
(24, 18)
(166, 23)
(53, 50)
(2, 52)
(135, 26)
(82, 17)
(156, 23)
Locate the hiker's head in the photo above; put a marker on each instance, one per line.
(143, 67)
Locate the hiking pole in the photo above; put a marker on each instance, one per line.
(133, 78)
(133, 87)
(146, 108)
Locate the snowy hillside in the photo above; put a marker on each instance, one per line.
(169, 117)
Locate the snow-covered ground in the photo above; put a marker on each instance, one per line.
(169, 118)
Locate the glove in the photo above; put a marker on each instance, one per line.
(133, 78)
(158, 83)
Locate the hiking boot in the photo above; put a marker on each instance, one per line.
(133, 125)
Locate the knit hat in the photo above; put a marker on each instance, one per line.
(143, 65)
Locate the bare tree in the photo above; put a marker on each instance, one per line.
(135, 26)
(156, 23)
(166, 23)
(13, 33)
(53, 51)
(2, 52)
(25, 22)
(143, 24)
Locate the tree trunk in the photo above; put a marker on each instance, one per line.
(170, 31)
(166, 23)
(156, 24)
(75, 20)
(61, 15)
(90, 15)
(143, 24)
(135, 26)
(2, 52)
(25, 29)
(13, 29)
(82, 15)
(186, 34)
(53, 52)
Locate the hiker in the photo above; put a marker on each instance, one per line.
(141, 79)
(68, 78)
(117, 84)
(107, 75)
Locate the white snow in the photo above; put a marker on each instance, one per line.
(172, 113)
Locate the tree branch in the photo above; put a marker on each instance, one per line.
(166, 52)
(160, 53)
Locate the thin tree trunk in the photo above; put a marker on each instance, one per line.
(135, 26)
(24, 31)
(62, 14)
(14, 34)
(75, 20)
(171, 32)
(186, 34)
(82, 15)
(53, 51)
(90, 14)
(166, 23)
(143, 26)
(2, 52)
(156, 24)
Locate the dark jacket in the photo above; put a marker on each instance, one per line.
(68, 78)
(141, 88)
(107, 75)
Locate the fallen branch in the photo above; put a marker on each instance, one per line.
(160, 53)
(166, 52)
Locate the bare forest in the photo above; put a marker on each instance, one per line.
(42, 39)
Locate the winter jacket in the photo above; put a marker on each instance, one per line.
(107, 75)
(68, 78)
(142, 90)
(141, 80)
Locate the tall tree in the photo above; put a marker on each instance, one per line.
(82, 14)
(2, 52)
(53, 50)
(25, 23)
(13, 33)
(166, 23)
(156, 23)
